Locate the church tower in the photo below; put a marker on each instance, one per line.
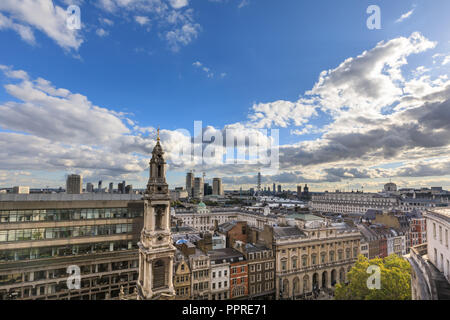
(156, 251)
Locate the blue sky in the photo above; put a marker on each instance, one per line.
(156, 62)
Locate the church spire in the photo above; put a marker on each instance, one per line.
(157, 180)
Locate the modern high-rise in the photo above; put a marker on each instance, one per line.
(44, 236)
(190, 183)
(299, 191)
(111, 187)
(89, 187)
(274, 188)
(279, 188)
(198, 188)
(74, 184)
(217, 187)
(100, 186)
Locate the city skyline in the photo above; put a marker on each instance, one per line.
(376, 109)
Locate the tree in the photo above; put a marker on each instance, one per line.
(395, 280)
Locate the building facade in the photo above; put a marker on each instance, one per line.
(42, 235)
(74, 184)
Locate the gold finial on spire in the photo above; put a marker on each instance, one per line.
(157, 137)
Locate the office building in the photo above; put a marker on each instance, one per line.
(190, 183)
(74, 184)
(41, 235)
(217, 187)
(198, 188)
(89, 187)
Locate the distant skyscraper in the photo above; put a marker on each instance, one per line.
(198, 188)
(129, 189)
(207, 189)
(99, 186)
(274, 188)
(89, 187)
(74, 184)
(259, 182)
(111, 187)
(279, 188)
(217, 187)
(190, 183)
(299, 191)
(121, 187)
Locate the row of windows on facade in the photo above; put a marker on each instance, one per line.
(267, 276)
(219, 274)
(66, 214)
(219, 285)
(220, 296)
(24, 277)
(322, 258)
(440, 234)
(61, 287)
(201, 286)
(63, 232)
(330, 245)
(66, 250)
(235, 270)
(258, 288)
(260, 255)
(258, 267)
(200, 274)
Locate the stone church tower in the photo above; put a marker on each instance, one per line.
(156, 251)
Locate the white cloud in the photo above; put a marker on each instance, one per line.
(177, 4)
(101, 32)
(243, 3)
(405, 16)
(142, 20)
(182, 36)
(24, 32)
(43, 16)
(446, 60)
(207, 70)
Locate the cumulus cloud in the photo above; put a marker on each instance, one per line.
(174, 18)
(142, 20)
(25, 15)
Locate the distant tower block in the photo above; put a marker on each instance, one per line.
(259, 182)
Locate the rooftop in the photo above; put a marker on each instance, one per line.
(287, 232)
(68, 197)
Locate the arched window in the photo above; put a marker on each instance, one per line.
(306, 284)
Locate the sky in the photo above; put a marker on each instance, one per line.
(355, 107)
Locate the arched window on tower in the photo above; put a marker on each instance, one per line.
(159, 171)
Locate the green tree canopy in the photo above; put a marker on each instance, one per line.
(395, 280)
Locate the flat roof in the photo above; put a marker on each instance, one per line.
(10, 197)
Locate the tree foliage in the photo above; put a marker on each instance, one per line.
(395, 280)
